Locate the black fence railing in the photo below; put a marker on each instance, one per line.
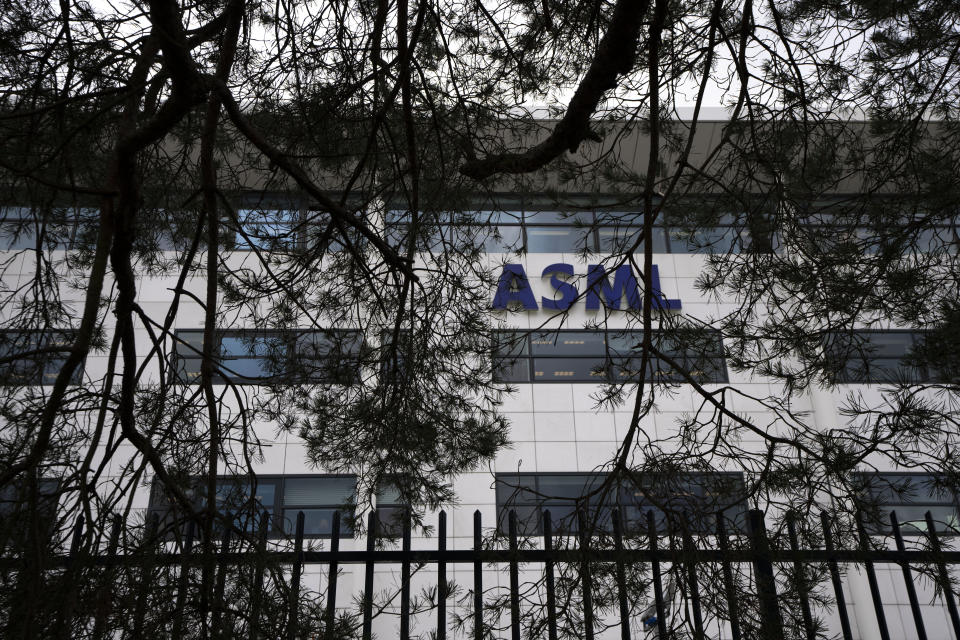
(154, 569)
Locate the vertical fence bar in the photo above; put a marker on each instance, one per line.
(872, 580)
(297, 570)
(184, 582)
(218, 602)
(442, 578)
(477, 577)
(514, 577)
(733, 606)
(332, 572)
(551, 585)
(405, 579)
(256, 595)
(146, 569)
(908, 579)
(104, 599)
(657, 584)
(689, 549)
(800, 572)
(372, 524)
(624, 609)
(770, 620)
(586, 577)
(65, 618)
(944, 576)
(835, 577)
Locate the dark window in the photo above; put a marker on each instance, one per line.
(281, 497)
(34, 357)
(606, 356)
(265, 230)
(911, 495)
(878, 356)
(391, 509)
(15, 517)
(259, 357)
(57, 227)
(693, 500)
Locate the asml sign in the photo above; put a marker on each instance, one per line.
(514, 288)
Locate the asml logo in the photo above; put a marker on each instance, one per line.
(515, 288)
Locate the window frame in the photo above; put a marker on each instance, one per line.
(925, 374)
(52, 360)
(276, 529)
(539, 505)
(528, 356)
(184, 352)
(907, 528)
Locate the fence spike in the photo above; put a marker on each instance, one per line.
(586, 577)
(514, 577)
(256, 595)
(146, 570)
(442, 578)
(763, 573)
(835, 577)
(802, 590)
(184, 582)
(621, 578)
(551, 586)
(332, 576)
(372, 526)
(294, 604)
(657, 583)
(944, 576)
(689, 548)
(218, 603)
(477, 577)
(872, 580)
(733, 607)
(405, 579)
(908, 579)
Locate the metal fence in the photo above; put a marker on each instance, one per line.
(752, 551)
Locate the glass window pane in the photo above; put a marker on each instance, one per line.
(567, 486)
(704, 240)
(569, 343)
(571, 370)
(266, 229)
(892, 344)
(502, 239)
(558, 239)
(316, 522)
(617, 240)
(569, 218)
(318, 491)
(189, 343)
(511, 370)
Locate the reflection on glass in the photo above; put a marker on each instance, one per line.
(557, 239)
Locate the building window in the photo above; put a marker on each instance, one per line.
(391, 509)
(34, 357)
(15, 518)
(56, 227)
(536, 228)
(280, 497)
(264, 357)
(878, 356)
(265, 230)
(687, 499)
(605, 356)
(911, 495)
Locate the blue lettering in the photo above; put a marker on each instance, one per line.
(623, 282)
(568, 292)
(514, 287)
